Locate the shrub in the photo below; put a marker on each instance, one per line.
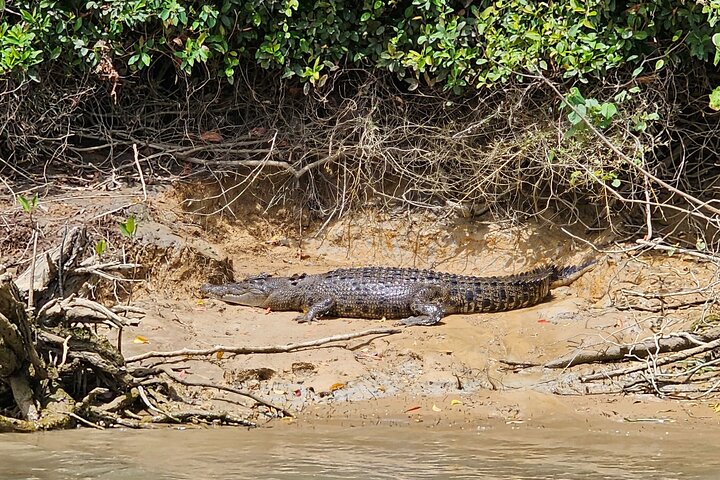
(441, 43)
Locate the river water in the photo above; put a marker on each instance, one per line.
(623, 451)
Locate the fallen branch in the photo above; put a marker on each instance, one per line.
(652, 346)
(192, 383)
(664, 307)
(658, 362)
(113, 317)
(179, 417)
(266, 349)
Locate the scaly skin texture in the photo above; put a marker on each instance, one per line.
(418, 297)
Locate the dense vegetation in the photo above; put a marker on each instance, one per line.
(454, 44)
(510, 103)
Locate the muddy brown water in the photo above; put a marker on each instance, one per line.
(351, 450)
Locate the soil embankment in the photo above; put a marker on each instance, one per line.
(468, 366)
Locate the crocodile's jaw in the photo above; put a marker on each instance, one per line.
(251, 292)
(250, 299)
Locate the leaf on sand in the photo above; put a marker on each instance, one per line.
(200, 302)
(716, 408)
(435, 408)
(220, 354)
(542, 320)
(455, 401)
(412, 409)
(140, 339)
(336, 386)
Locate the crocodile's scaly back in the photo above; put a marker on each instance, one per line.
(415, 295)
(461, 293)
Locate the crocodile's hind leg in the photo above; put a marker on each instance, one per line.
(317, 309)
(427, 304)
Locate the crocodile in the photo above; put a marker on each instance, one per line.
(417, 297)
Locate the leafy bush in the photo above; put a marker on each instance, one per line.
(437, 42)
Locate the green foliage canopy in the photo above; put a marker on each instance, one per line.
(451, 44)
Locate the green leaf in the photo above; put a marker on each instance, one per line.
(716, 39)
(101, 246)
(637, 71)
(715, 99)
(616, 183)
(28, 205)
(575, 98)
(659, 64)
(574, 118)
(24, 203)
(577, 115)
(608, 110)
(129, 227)
(365, 17)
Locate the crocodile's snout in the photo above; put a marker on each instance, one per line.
(235, 293)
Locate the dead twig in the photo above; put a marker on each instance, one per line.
(140, 172)
(86, 422)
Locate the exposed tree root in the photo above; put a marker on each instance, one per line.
(61, 373)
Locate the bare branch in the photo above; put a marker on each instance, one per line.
(267, 349)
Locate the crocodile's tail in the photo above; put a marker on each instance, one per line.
(563, 276)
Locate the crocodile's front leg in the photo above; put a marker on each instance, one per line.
(428, 307)
(317, 309)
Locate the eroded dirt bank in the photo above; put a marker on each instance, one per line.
(483, 365)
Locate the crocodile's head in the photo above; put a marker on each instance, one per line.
(253, 291)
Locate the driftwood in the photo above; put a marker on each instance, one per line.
(61, 373)
(634, 351)
(675, 357)
(682, 365)
(51, 273)
(290, 347)
(21, 366)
